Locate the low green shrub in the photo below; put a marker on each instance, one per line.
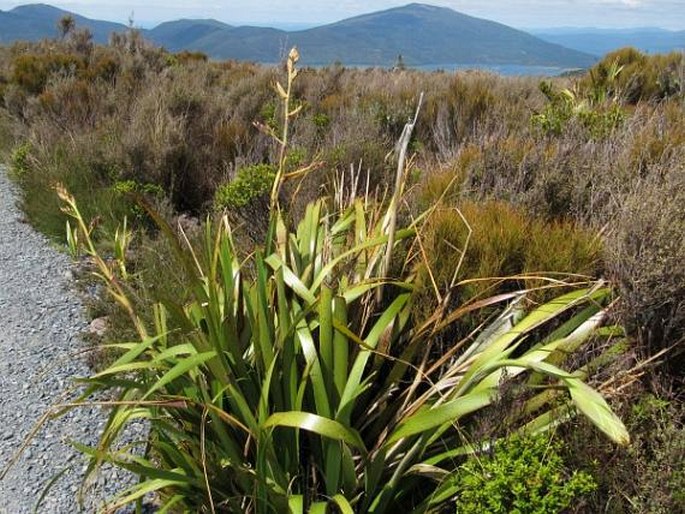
(250, 182)
(123, 187)
(598, 117)
(19, 160)
(521, 475)
(124, 191)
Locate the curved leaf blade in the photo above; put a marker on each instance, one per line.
(317, 424)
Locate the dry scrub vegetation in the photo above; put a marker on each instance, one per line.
(527, 183)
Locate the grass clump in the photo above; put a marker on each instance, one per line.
(521, 475)
(475, 243)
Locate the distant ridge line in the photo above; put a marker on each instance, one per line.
(422, 34)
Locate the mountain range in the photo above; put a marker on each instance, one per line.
(601, 41)
(421, 34)
(39, 21)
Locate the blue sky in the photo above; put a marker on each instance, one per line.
(518, 13)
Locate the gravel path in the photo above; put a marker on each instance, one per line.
(40, 324)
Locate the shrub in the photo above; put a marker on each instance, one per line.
(104, 67)
(250, 182)
(458, 110)
(32, 71)
(658, 456)
(648, 476)
(632, 76)
(443, 183)
(20, 159)
(503, 242)
(123, 189)
(522, 475)
(646, 258)
(73, 104)
(595, 114)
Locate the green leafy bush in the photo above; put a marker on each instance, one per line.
(595, 114)
(250, 182)
(123, 191)
(522, 475)
(274, 376)
(20, 159)
(123, 187)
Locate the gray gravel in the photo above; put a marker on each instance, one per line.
(40, 325)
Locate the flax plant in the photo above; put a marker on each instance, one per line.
(293, 388)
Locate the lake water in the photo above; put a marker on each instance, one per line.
(511, 70)
(501, 69)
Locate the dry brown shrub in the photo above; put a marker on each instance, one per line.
(646, 258)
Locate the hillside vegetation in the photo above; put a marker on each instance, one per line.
(307, 331)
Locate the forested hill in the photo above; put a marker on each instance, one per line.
(422, 34)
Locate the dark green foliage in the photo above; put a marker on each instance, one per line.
(522, 475)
